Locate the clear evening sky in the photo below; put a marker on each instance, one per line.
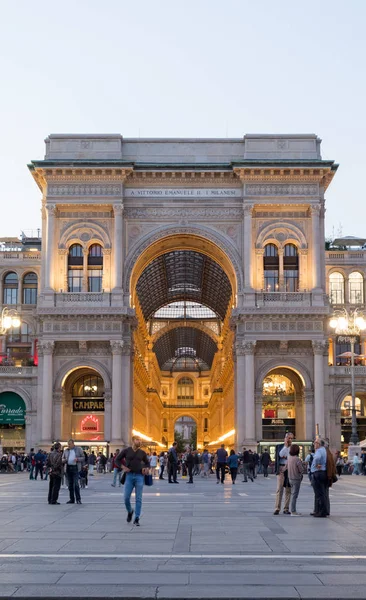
(194, 68)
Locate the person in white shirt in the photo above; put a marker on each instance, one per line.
(153, 459)
(73, 458)
(356, 464)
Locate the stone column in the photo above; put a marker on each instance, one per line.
(63, 279)
(247, 246)
(303, 270)
(316, 241)
(50, 235)
(107, 414)
(57, 414)
(319, 390)
(116, 346)
(85, 270)
(106, 283)
(43, 244)
(118, 246)
(258, 415)
(20, 290)
(239, 395)
(249, 392)
(309, 427)
(46, 349)
(127, 391)
(281, 274)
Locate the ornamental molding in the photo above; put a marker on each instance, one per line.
(45, 348)
(320, 347)
(225, 244)
(88, 214)
(80, 189)
(117, 347)
(192, 212)
(245, 348)
(278, 189)
(51, 209)
(261, 214)
(118, 210)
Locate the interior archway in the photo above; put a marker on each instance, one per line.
(183, 291)
(282, 398)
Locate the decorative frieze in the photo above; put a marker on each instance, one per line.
(146, 212)
(85, 190)
(86, 215)
(298, 325)
(186, 193)
(277, 189)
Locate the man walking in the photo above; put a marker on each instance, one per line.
(221, 456)
(282, 452)
(54, 464)
(73, 458)
(265, 460)
(116, 470)
(246, 466)
(173, 463)
(190, 464)
(92, 459)
(135, 463)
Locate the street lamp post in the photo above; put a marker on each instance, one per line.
(9, 319)
(348, 325)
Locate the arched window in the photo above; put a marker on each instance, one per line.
(75, 268)
(30, 284)
(88, 386)
(185, 389)
(11, 288)
(95, 268)
(271, 268)
(291, 268)
(336, 288)
(356, 288)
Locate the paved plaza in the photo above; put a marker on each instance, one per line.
(199, 541)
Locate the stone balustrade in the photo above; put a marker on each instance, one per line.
(18, 371)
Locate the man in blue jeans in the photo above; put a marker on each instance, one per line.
(135, 464)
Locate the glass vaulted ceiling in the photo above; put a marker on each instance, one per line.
(184, 286)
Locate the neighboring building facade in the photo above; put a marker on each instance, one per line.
(180, 284)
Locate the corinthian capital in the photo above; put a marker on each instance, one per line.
(51, 209)
(117, 346)
(315, 209)
(320, 347)
(118, 209)
(45, 348)
(248, 209)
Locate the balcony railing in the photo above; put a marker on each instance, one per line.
(83, 298)
(287, 298)
(10, 255)
(360, 370)
(345, 257)
(18, 371)
(185, 405)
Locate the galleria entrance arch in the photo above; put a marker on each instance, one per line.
(183, 291)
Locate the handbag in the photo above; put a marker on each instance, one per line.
(334, 479)
(148, 479)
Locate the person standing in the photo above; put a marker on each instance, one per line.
(39, 460)
(246, 466)
(295, 476)
(92, 459)
(255, 464)
(173, 463)
(265, 460)
(190, 464)
(116, 470)
(339, 463)
(153, 464)
(319, 479)
(205, 464)
(221, 458)
(73, 458)
(135, 463)
(233, 462)
(356, 464)
(282, 452)
(162, 460)
(55, 467)
(32, 463)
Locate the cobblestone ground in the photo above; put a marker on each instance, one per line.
(195, 541)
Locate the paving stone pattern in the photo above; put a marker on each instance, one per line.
(201, 541)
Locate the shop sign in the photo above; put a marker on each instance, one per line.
(279, 422)
(87, 405)
(12, 409)
(90, 423)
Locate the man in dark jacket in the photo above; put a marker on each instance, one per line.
(55, 466)
(173, 463)
(190, 465)
(135, 464)
(39, 458)
(282, 452)
(265, 460)
(246, 465)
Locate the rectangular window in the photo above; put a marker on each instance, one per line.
(11, 296)
(291, 280)
(30, 296)
(95, 277)
(75, 280)
(205, 424)
(271, 280)
(355, 292)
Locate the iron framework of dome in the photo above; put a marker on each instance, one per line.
(185, 349)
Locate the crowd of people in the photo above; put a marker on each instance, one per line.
(72, 466)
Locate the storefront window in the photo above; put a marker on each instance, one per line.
(278, 406)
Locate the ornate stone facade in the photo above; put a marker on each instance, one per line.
(230, 200)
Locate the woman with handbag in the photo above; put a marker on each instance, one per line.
(135, 464)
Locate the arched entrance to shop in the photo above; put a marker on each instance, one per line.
(83, 409)
(346, 417)
(12, 422)
(282, 404)
(183, 289)
(186, 428)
